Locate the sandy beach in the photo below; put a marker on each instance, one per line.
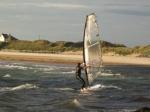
(72, 58)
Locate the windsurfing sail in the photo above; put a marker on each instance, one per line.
(92, 53)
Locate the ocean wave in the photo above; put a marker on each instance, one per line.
(45, 69)
(110, 74)
(97, 87)
(59, 72)
(76, 103)
(101, 86)
(40, 65)
(126, 110)
(68, 72)
(23, 67)
(24, 86)
(37, 67)
(142, 99)
(111, 86)
(7, 76)
(53, 66)
(14, 67)
(62, 89)
(71, 104)
(3, 89)
(20, 87)
(143, 109)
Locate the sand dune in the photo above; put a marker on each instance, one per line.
(72, 58)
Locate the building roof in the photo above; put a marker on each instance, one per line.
(5, 35)
(9, 37)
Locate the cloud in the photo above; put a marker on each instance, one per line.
(118, 4)
(61, 5)
(129, 12)
(45, 5)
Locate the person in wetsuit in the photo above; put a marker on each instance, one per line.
(79, 68)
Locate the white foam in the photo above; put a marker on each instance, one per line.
(25, 67)
(127, 110)
(24, 86)
(109, 74)
(41, 65)
(98, 87)
(69, 72)
(2, 89)
(20, 87)
(59, 72)
(76, 102)
(7, 76)
(93, 88)
(46, 69)
(14, 67)
(62, 89)
(53, 67)
(111, 86)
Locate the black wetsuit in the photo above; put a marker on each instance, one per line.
(78, 75)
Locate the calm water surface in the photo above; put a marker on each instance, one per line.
(38, 87)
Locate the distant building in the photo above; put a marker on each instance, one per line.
(6, 38)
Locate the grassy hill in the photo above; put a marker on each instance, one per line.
(46, 46)
(143, 50)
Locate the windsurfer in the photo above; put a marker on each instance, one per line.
(79, 68)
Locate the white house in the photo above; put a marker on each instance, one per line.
(3, 37)
(6, 37)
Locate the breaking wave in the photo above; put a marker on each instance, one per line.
(110, 74)
(20, 87)
(7, 76)
(36, 68)
(62, 89)
(14, 67)
(69, 72)
(101, 86)
(21, 67)
(112, 86)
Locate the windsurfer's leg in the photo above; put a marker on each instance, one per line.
(79, 78)
(83, 82)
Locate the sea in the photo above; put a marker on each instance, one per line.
(44, 87)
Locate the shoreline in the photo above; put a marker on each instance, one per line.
(71, 58)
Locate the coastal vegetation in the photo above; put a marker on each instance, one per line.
(45, 46)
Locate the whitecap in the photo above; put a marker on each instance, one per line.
(3, 89)
(76, 102)
(20, 87)
(14, 67)
(39, 65)
(24, 86)
(59, 72)
(46, 69)
(111, 86)
(127, 110)
(7, 76)
(101, 86)
(69, 72)
(62, 89)
(109, 74)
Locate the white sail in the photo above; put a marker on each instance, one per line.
(92, 53)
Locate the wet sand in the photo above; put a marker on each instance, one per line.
(72, 58)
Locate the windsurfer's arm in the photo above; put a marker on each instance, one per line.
(84, 66)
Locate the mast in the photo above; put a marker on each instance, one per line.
(86, 74)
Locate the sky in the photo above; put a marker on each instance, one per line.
(120, 21)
